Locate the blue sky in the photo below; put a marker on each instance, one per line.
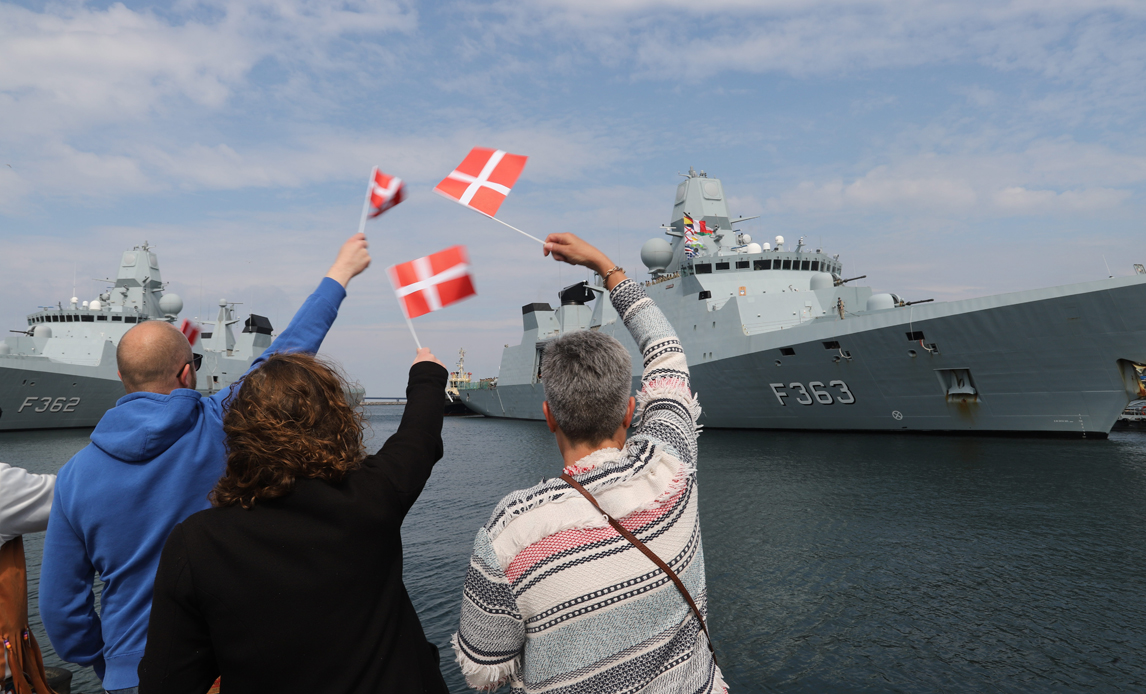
(944, 149)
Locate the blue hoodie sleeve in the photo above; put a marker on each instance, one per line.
(67, 603)
(306, 330)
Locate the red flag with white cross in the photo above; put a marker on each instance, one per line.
(483, 179)
(385, 192)
(433, 282)
(190, 330)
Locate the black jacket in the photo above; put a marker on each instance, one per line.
(303, 593)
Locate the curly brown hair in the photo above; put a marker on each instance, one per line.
(288, 419)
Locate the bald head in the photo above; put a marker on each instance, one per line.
(152, 356)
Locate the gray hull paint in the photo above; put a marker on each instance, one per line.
(63, 373)
(1054, 361)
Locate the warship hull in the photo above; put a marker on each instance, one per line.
(1058, 361)
(61, 372)
(42, 393)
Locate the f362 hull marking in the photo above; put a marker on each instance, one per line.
(49, 404)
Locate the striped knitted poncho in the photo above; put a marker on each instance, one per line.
(556, 600)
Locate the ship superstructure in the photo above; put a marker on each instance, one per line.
(776, 337)
(61, 372)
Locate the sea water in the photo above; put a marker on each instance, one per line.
(836, 562)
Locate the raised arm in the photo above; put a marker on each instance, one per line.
(408, 456)
(666, 407)
(310, 324)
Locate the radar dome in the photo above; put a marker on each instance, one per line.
(754, 248)
(779, 243)
(42, 331)
(84, 304)
(95, 305)
(767, 246)
(656, 254)
(171, 304)
(880, 302)
(822, 280)
(75, 300)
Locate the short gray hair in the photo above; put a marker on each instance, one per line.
(587, 377)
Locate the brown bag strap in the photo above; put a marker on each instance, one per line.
(648, 553)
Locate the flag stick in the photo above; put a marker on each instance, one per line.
(410, 323)
(418, 344)
(366, 206)
(518, 230)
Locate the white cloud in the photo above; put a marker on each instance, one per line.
(1047, 177)
(1020, 200)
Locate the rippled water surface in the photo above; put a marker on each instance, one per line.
(838, 562)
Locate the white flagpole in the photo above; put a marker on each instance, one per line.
(518, 230)
(410, 323)
(418, 344)
(366, 206)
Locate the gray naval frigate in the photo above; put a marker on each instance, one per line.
(60, 371)
(777, 338)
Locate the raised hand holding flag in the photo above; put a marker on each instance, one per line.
(482, 181)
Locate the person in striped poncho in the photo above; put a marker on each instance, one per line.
(555, 600)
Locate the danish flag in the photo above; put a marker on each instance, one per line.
(427, 284)
(385, 192)
(190, 330)
(483, 179)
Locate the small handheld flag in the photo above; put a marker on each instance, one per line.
(433, 282)
(430, 283)
(190, 330)
(382, 193)
(482, 181)
(386, 192)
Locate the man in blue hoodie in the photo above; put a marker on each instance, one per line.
(151, 463)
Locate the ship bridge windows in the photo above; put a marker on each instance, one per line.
(101, 317)
(815, 266)
(87, 319)
(742, 264)
(762, 264)
(117, 318)
(787, 264)
(702, 268)
(722, 266)
(129, 319)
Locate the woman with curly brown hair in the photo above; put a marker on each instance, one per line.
(293, 580)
